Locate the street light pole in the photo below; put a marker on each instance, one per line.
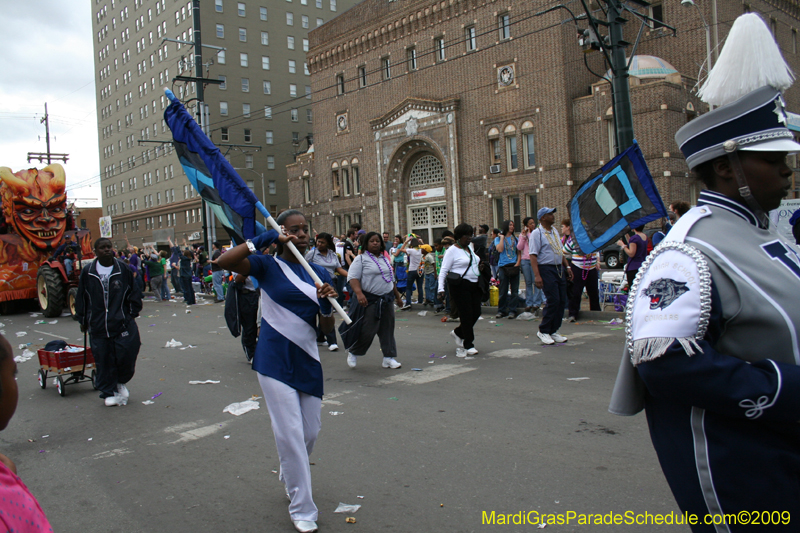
(263, 197)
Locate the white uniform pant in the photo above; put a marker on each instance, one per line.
(296, 422)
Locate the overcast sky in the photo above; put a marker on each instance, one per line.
(48, 57)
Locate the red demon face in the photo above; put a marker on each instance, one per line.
(34, 204)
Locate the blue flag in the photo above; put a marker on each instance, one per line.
(620, 196)
(231, 200)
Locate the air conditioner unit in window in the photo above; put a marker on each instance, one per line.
(494, 169)
(335, 192)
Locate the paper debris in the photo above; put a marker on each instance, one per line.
(2, 325)
(335, 413)
(493, 322)
(480, 318)
(41, 322)
(576, 379)
(431, 362)
(45, 436)
(422, 313)
(26, 355)
(240, 408)
(148, 402)
(226, 437)
(202, 382)
(542, 525)
(615, 321)
(347, 508)
(174, 314)
(53, 322)
(173, 344)
(360, 497)
(21, 333)
(90, 438)
(34, 315)
(526, 316)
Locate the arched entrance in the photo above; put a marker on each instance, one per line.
(427, 202)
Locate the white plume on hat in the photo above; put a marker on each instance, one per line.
(749, 60)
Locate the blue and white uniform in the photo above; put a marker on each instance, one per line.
(289, 370)
(712, 356)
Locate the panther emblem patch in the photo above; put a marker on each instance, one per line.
(662, 292)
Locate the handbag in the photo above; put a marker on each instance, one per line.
(454, 279)
(511, 270)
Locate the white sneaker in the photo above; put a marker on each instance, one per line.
(333, 347)
(305, 526)
(558, 338)
(546, 339)
(123, 391)
(458, 340)
(351, 360)
(114, 400)
(461, 352)
(390, 362)
(472, 351)
(322, 343)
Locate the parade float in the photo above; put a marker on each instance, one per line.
(34, 224)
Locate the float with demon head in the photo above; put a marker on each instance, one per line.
(35, 224)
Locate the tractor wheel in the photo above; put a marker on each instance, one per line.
(72, 295)
(50, 289)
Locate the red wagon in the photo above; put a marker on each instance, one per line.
(73, 363)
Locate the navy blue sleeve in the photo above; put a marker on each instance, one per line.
(724, 384)
(259, 265)
(325, 306)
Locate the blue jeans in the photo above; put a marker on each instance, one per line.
(431, 286)
(533, 297)
(164, 288)
(68, 266)
(508, 304)
(413, 278)
(216, 279)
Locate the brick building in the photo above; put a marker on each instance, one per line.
(429, 113)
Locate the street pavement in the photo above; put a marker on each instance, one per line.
(434, 449)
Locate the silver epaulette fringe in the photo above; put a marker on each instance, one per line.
(648, 349)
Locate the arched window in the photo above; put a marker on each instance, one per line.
(510, 132)
(356, 173)
(346, 176)
(529, 153)
(335, 181)
(306, 187)
(428, 170)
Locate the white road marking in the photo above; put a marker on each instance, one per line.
(591, 334)
(431, 374)
(193, 432)
(51, 334)
(111, 453)
(513, 353)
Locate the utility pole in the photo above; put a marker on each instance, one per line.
(198, 73)
(49, 156)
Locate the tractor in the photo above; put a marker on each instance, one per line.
(54, 287)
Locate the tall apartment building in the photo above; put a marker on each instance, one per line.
(432, 113)
(260, 115)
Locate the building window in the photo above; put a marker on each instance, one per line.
(272, 187)
(511, 152)
(504, 26)
(471, 39)
(245, 85)
(304, 21)
(499, 215)
(494, 150)
(438, 44)
(262, 13)
(290, 42)
(333, 5)
(308, 92)
(217, 6)
(243, 59)
(224, 80)
(411, 53)
(362, 76)
(533, 205)
(267, 112)
(294, 115)
(220, 31)
(530, 155)
(251, 184)
(340, 83)
(265, 64)
(292, 66)
(270, 137)
(657, 14)
(292, 90)
(223, 108)
(248, 138)
(320, 22)
(356, 180)
(248, 161)
(289, 19)
(265, 38)
(305, 45)
(386, 68)
(271, 162)
(346, 181)
(221, 57)
(240, 9)
(242, 35)
(306, 190)
(309, 116)
(246, 110)
(516, 211)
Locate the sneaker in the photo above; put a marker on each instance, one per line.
(558, 338)
(512, 315)
(351, 360)
(333, 347)
(406, 307)
(573, 319)
(461, 352)
(390, 362)
(458, 340)
(501, 315)
(113, 400)
(472, 351)
(305, 526)
(322, 343)
(123, 390)
(545, 338)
